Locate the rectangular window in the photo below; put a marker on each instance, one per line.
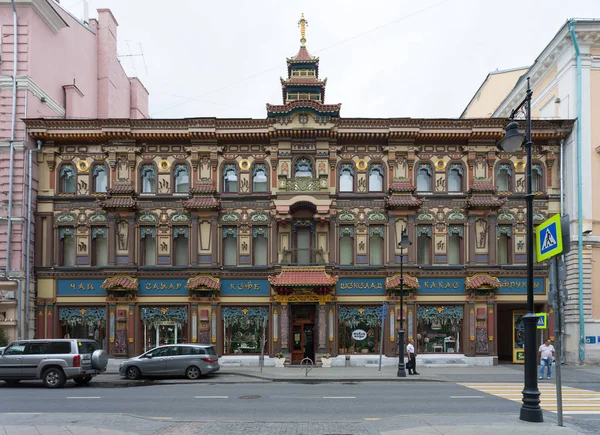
(365, 319)
(229, 246)
(181, 251)
(260, 246)
(455, 244)
(67, 246)
(376, 246)
(148, 246)
(99, 246)
(346, 246)
(424, 244)
(503, 249)
(303, 245)
(243, 329)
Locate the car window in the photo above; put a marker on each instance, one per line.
(161, 351)
(210, 350)
(87, 346)
(184, 350)
(36, 349)
(59, 347)
(15, 349)
(198, 351)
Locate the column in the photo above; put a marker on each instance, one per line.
(285, 327)
(470, 347)
(412, 236)
(491, 326)
(472, 239)
(194, 241)
(112, 234)
(216, 239)
(41, 322)
(492, 236)
(213, 324)
(392, 243)
(112, 326)
(322, 327)
(333, 242)
(193, 333)
(131, 327)
(50, 321)
(131, 232)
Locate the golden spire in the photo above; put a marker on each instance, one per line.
(302, 23)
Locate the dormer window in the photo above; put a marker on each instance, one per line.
(230, 178)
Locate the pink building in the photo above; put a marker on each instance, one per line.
(65, 68)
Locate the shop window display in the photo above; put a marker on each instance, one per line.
(439, 329)
(359, 329)
(243, 329)
(89, 323)
(164, 326)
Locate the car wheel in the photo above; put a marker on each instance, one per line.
(12, 382)
(99, 359)
(193, 373)
(82, 380)
(133, 373)
(54, 378)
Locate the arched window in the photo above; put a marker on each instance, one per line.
(67, 246)
(537, 184)
(503, 174)
(376, 245)
(346, 177)
(259, 178)
(148, 176)
(376, 177)
(99, 246)
(230, 246)
(230, 178)
(424, 178)
(181, 248)
(182, 178)
(455, 244)
(67, 179)
(100, 178)
(303, 168)
(504, 242)
(148, 246)
(260, 246)
(424, 244)
(455, 174)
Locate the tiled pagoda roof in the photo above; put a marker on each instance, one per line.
(324, 109)
(402, 186)
(119, 202)
(121, 189)
(303, 56)
(403, 201)
(202, 282)
(303, 81)
(484, 201)
(393, 282)
(483, 186)
(120, 282)
(199, 202)
(302, 277)
(203, 188)
(481, 280)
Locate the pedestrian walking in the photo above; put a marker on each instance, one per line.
(546, 354)
(412, 358)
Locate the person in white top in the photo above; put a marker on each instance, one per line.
(546, 351)
(411, 365)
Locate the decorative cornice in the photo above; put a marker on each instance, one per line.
(26, 83)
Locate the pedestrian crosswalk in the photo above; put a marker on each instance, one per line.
(574, 400)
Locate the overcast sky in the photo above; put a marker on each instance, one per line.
(382, 58)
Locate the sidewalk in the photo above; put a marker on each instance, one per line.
(499, 373)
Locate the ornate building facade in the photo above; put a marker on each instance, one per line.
(219, 230)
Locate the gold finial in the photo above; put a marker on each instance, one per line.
(302, 23)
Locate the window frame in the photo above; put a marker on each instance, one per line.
(225, 169)
(458, 231)
(428, 230)
(143, 166)
(176, 233)
(537, 169)
(93, 170)
(95, 231)
(146, 231)
(346, 232)
(265, 166)
(379, 231)
(506, 231)
(343, 169)
(423, 166)
(453, 167)
(63, 232)
(229, 231)
(507, 167)
(303, 160)
(62, 180)
(382, 172)
(260, 231)
(175, 175)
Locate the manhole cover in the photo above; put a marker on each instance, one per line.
(251, 396)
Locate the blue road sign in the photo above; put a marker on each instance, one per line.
(549, 238)
(590, 339)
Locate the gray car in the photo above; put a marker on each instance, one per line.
(189, 360)
(53, 361)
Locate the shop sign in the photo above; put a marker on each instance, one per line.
(162, 287)
(441, 285)
(366, 286)
(244, 287)
(519, 285)
(80, 287)
(359, 334)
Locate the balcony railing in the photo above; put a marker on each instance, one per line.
(303, 257)
(303, 184)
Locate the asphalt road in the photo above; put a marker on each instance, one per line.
(290, 408)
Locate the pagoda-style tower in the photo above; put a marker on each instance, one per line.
(303, 89)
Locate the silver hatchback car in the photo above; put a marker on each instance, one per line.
(189, 360)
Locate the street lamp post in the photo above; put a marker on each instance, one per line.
(404, 244)
(513, 140)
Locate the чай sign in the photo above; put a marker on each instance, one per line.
(359, 334)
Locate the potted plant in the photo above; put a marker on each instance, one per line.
(279, 359)
(326, 360)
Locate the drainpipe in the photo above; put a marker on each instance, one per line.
(579, 195)
(28, 247)
(11, 168)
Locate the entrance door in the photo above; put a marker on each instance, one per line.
(302, 333)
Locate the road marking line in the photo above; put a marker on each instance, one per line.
(161, 418)
(23, 413)
(212, 397)
(339, 397)
(467, 397)
(84, 397)
(372, 418)
(579, 412)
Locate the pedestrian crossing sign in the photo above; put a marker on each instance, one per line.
(549, 238)
(542, 320)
